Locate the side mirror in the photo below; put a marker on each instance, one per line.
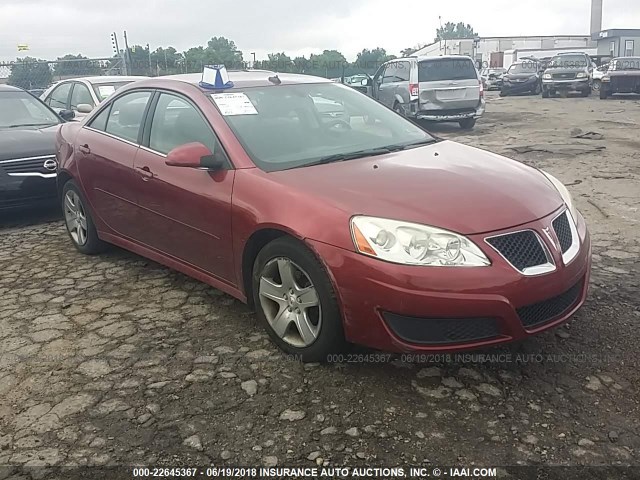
(67, 114)
(84, 108)
(365, 82)
(193, 155)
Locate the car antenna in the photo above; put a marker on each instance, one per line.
(275, 79)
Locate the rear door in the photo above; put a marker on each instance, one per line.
(107, 148)
(448, 84)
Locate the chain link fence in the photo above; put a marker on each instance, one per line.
(35, 75)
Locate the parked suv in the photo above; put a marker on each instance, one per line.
(568, 72)
(441, 89)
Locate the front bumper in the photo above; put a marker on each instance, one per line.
(577, 85)
(449, 116)
(18, 192)
(402, 308)
(517, 87)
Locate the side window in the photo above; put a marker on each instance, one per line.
(80, 95)
(126, 115)
(100, 122)
(389, 75)
(403, 71)
(59, 97)
(177, 122)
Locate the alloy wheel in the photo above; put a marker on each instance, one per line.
(290, 302)
(75, 218)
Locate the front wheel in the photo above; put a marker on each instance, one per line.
(78, 221)
(545, 93)
(467, 123)
(296, 302)
(536, 89)
(597, 84)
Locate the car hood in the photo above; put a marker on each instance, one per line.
(449, 185)
(24, 143)
(513, 76)
(565, 70)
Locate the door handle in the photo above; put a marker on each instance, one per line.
(146, 173)
(84, 149)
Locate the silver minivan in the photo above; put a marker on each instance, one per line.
(441, 89)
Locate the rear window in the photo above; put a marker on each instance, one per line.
(446, 69)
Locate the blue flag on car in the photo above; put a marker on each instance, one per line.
(215, 77)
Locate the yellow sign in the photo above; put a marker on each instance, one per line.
(22, 47)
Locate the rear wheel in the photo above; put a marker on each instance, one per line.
(78, 221)
(296, 302)
(398, 108)
(467, 123)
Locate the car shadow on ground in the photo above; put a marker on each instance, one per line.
(27, 217)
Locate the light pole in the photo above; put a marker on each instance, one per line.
(253, 65)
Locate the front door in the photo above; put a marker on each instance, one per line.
(107, 147)
(184, 212)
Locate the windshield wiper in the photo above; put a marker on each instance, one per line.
(341, 157)
(30, 125)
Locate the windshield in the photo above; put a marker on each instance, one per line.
(104, 90)
(290, 126)
(21, 109)
(446, 69)
(568, 61)
(527, 67)
(629, 63)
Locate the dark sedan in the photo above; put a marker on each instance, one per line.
(522, 77)
(623, 76)
(27, 150)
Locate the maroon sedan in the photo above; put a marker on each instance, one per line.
(336, 218)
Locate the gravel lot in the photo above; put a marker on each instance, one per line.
(117, 360)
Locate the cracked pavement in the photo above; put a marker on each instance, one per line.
(115, 360)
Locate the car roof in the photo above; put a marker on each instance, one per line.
(617, 59)
(109, 79)
(10, 88)
(422, 58)
(241, 79)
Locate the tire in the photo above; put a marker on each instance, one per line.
(398, 109)
(597, 85)
(78, 220)
(537, 89)
(467, 123)
(503, 93)
(603, 94)
(545, 93)
(303, 272)
(585, 93)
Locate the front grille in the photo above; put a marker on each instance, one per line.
(439, 331)
(551, 309)
(563, 231)
(564, 76)
(27, 165)
(521, 249)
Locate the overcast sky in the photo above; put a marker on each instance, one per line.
(54, 28)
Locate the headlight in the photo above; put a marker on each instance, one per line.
(414, 244)
(606, 79)
(564, 193)
(547, 76)
(581, 75)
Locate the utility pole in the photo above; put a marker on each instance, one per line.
(150, 67)
(127, 55)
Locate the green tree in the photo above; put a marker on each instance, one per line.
(369, 61)
(300, 64)
(30, 73)
(278, 62)
(455, 30)
(329, 63)
(166, 61)
(407, 52)
(75, 65)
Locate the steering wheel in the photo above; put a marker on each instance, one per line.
(337, 122)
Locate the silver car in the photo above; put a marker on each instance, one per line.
(441, 89)
(81, 95)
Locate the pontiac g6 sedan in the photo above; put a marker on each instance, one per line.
(360, 228)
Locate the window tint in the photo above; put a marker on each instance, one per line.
(58, 98)
(389, 73)
(80, 95)
(177, 122)
(100, 122)
(446, 69)
(126, 115)
(396, 72)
